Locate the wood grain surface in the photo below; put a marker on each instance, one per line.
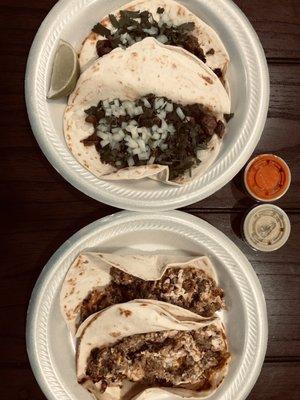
(40, 210)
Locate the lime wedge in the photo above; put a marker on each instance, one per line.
(65, 71)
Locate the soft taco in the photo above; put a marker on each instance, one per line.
(165, 20)
(98, 280)
(150, 110)
(141, 349)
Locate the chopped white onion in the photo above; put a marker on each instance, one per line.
(162, 39)
(130, 162)
(152, 31)
(104, 142)
(103, 135)
(146, 102)
(162, 114)
(180, 113)
(151, 160)
(169, 107)
(138, 110)
(143, 156)
(142, 145)
(156, 136)
(158, 103)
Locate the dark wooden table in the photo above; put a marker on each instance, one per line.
(40, 210)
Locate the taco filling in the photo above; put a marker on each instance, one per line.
(152, 130)
(133, 26)
(190, 288)
(185, 359)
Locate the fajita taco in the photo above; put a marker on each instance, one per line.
(141, 349)
(165, 20)
(150, 110)
(98, 280)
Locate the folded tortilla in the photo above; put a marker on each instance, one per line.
(144, 68)
(122, 348)
(89, 285)
(177, 14)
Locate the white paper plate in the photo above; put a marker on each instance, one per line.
(50, 347)
(248, 79)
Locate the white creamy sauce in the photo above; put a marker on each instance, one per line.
(266, 227)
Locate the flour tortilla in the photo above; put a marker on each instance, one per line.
(177, 14)
(91, 270)
(143, 68)
(116, 322)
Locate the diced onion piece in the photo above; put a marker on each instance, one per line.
(132, 144)
(180, 113)
(162, 115)
(201, 154)
(158, 103)
(163, 146)
(171, 128)
(130, 40)
(169, 107)
(156, 136)
(102, 128)
(152, 31)
(151, 160)
(103, 135)
(130, 162)
(104, 143)
(134, 132)
(138, 110)
(143, 156)
(142, 145)
(146, 102)
(162, 39)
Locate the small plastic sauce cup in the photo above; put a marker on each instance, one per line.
(266, 227)
(267, 177)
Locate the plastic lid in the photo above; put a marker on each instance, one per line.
(267, 227)
(267, 177)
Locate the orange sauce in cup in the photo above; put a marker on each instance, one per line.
(267, 177)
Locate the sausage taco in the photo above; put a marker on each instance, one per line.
(99, 280)
(140, 349)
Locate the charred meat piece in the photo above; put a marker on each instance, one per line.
(190, 288)
(169, 358)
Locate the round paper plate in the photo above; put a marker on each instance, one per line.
(249, 84)
(50, 347)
